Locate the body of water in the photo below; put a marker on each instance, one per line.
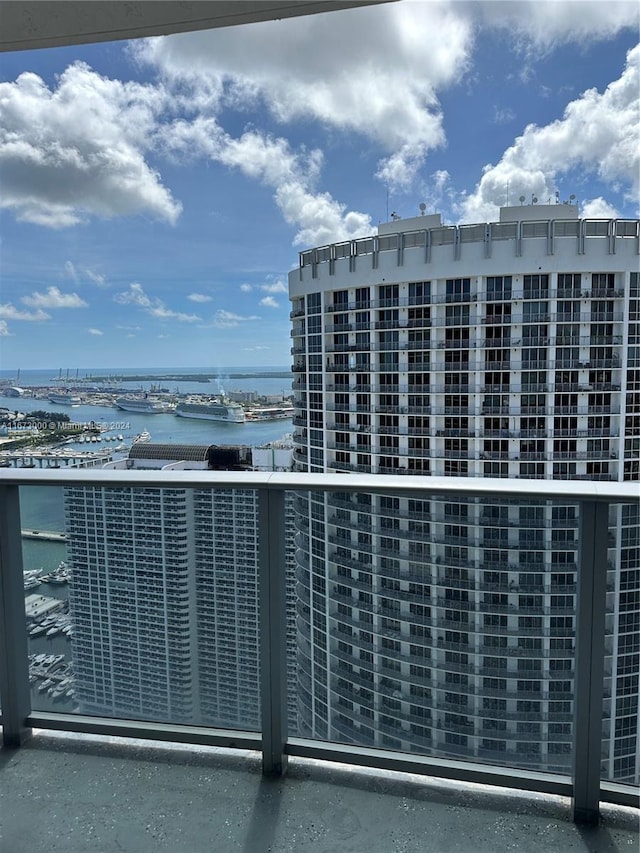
(42, 506)
(164, 428)
(262, 384)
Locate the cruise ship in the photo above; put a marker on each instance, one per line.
(143, 405)
(213, 410)
(65, 398)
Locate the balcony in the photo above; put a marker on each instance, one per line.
(272, 737)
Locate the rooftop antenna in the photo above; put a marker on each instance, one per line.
(422, 207)
(572, 198)
(534, 199)
(521, 199)
(557, 196)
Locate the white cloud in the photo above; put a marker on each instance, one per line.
(154, 307)
(96, 277)
(95, 332)
(134, 296)
(338, 69)
(78, 150)
(10, 312)
(54, 298)
(269, 302)
(255, 349)
(545, 24)
(275, 287)
(228, 320)
(292, 176)
(70, 271)
(598, 132)
(163, 313)
(4, 329)
(199, 297)
(375, 71)
(598, 208)
(503, 115)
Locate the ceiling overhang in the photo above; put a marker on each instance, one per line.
(26, 25)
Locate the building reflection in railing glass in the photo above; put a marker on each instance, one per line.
(446, 627)
(152, 612)
(428, 624)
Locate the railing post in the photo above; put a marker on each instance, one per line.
(15, 695)
(589, 660)
(273, 626)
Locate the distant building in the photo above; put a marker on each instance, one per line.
(502, 349)
(164, 592)
(243, 396)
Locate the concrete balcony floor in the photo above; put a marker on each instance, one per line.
(81, 794)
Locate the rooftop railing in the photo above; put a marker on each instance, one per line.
(583, 784)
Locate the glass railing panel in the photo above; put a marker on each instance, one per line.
(620, 761)
(141, 603)
(438, 626)
(46, 590)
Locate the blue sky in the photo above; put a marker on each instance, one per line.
(155, 194)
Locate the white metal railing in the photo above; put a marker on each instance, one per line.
(593, 500)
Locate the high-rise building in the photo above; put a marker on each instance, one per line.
(164, 591)
(504, 349)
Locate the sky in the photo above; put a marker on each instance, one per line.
(155, 194)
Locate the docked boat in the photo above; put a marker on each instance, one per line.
(212, 410)
(142, 437)
(31, 578)
(65, 398)
(143, 405)
(58, 577)
(270, 413)
(37, 630)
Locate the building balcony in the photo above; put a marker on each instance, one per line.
(21, 711)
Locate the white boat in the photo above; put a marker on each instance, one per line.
(270, 413)
(142, 437)
(121, 447)
(65, 398)
(212, 410)
(143, 405)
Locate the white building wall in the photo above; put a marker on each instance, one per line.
(499, 349)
